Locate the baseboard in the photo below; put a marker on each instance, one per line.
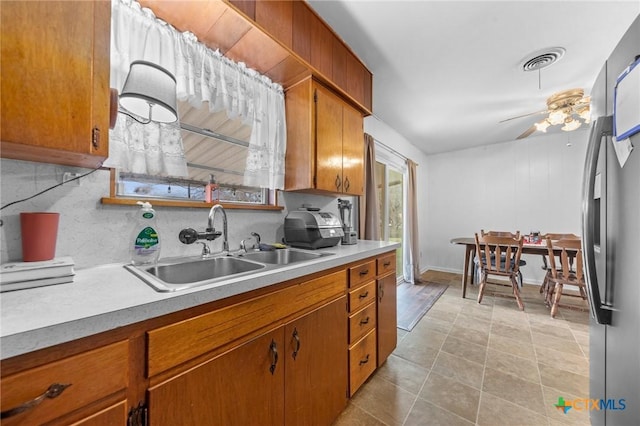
(527, 281)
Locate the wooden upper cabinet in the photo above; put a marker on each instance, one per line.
(328, 136)
(248, 7)
(352, 151)
(301, 37)
(277, 18)
(358, 80)
(339, 65)
(322, 48)
(325, 141)
(296, 25)
(55, 81)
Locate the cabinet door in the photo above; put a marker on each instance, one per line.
(244, 386)
(328, 140)
(316, 365)
(387, 317)
(55, 81)
(352, 152)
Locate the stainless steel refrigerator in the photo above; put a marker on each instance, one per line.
(611, 245)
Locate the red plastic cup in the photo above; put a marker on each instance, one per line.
(39, 231)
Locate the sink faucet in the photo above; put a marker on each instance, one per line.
(190, 235)
(210, 228)
(243, 243)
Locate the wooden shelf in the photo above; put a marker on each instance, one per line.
(187, 204)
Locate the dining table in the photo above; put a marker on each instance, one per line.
(528, 247)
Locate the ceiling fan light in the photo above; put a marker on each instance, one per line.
(585, 114)
(571, 124)
(557, 117)
(542, 126)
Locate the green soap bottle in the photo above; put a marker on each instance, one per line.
(145, 240)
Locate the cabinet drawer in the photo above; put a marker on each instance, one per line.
(362, 273)
(362, 296)
(362, 361)
(386, 263)
(114, 415)
(91, 375)
(362, 322)
(177, 343)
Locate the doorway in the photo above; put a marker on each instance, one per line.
(391, 181)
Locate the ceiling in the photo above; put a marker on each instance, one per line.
(445, 73)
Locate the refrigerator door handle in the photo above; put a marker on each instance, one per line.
(602, 127)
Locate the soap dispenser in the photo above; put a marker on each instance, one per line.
(145, 248)
(211, 192)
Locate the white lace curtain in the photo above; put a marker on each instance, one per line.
(201, 75)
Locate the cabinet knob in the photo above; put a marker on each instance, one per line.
(338, 182)
(346, 184)
(53, 391)
(364, 361)
(95, 137)
(274, 356)
(296, 337)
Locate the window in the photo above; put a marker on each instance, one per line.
(215, 147)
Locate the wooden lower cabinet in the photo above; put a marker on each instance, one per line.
(244, 386)
(387, 317)
(316, 366)
(290, 356)
(114, 415)
(295, 374)
(82, 380)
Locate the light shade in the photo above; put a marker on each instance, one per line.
(150, 92)
(557, 117)
(570, 125)
(543, 125)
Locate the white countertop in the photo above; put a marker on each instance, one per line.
(106, 297)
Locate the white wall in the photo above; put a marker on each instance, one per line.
(530, 184)
(392, 139)
(93, 233)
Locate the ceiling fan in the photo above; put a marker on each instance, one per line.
(567, 107)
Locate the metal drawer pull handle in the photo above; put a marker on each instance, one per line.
(274, 356)
(364, 321)
(386, 264)
(363, 273)
(363, 296)
(364, 361)
(338, 182)
(346, 184)
(297, 339)
(53, 391)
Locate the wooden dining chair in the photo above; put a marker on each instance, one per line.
(510, 235)
(544, 287)
(565, 268)
(499, 256)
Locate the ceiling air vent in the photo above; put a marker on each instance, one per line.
(542, 59)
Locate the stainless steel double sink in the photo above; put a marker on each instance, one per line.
(188, 272)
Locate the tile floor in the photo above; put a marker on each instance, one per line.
(488, 364)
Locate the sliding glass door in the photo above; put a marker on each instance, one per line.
(391, 182)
